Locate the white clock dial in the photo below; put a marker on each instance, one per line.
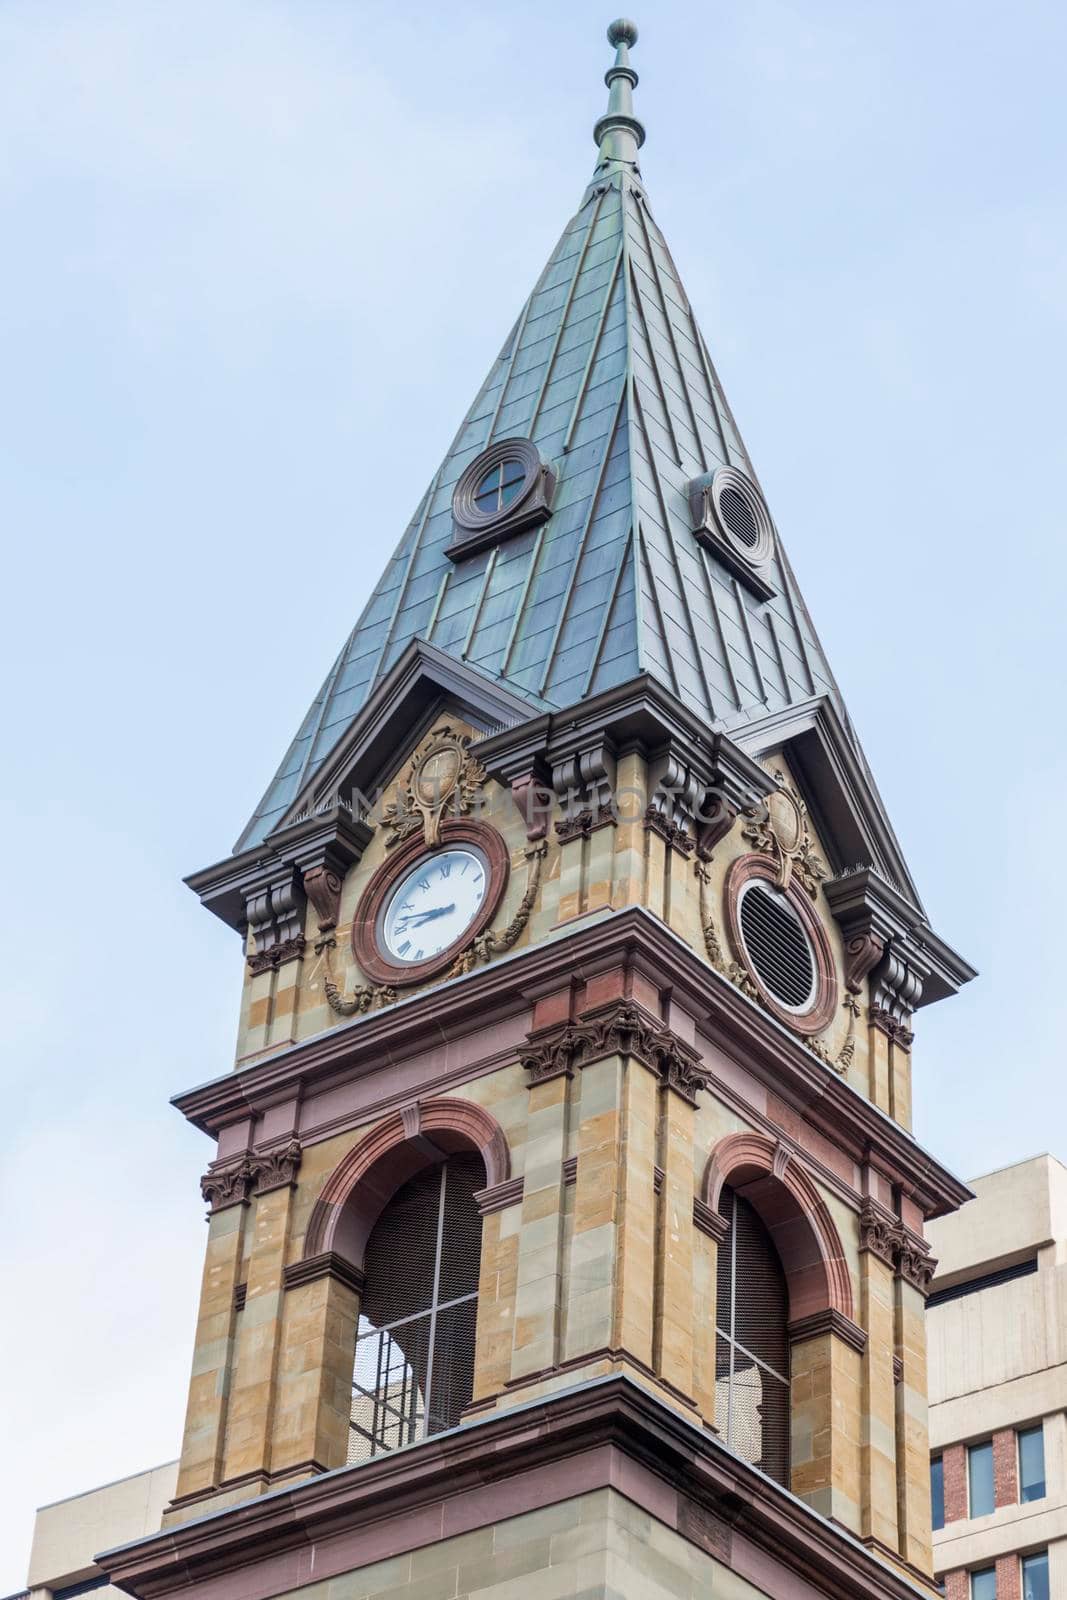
(432, 907)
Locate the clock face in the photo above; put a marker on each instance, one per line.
(432, 906)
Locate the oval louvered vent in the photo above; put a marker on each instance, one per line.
(737, 514)
(777, 946)
(742, 514)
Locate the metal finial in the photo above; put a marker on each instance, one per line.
(618, 134)
(623, 31)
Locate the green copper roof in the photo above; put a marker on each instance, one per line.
(607, 372)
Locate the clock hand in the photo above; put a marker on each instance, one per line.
(437, 911)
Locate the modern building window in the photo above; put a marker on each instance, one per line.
(984, 1584)
(414, 1370)
(1031, 1464)
(752, 1342)
(980, 1478)
(1035, 1577)
(937, 1492)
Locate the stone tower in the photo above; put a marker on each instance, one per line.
(566, 1225)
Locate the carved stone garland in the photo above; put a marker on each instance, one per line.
(489, 944)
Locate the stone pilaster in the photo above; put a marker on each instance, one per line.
(313, 1402)
(913, 1441)
(497, 1290)
(539, 1247)
(673, 1332)
(827, 1425)
(252, 1395)
(878, 1495)
(205, 1422)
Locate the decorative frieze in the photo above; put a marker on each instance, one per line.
(276, 955)
(621, 1028)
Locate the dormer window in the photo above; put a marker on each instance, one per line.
(505, 490)
(499, 487)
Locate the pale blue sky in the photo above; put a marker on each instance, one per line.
(257, 256)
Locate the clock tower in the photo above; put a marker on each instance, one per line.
(566, 1225)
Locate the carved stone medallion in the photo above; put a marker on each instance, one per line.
(443, 777)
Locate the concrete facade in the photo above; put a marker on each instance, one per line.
(998, 1365)
(68, 1533)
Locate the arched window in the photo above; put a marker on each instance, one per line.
(414, 1370)
(752, 1342)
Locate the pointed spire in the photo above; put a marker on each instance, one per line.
(618, 134)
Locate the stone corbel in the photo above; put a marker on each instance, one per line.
(323, 849)
(275, 910)
(532, 797)
(584, 784)
(676, 794)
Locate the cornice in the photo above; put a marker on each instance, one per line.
(490, 994)
(611, 1429)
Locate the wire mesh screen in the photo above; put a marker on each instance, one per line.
(414, 1369)
(752, 1342)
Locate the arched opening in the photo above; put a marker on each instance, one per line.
(752, 1390)
(414, 1361)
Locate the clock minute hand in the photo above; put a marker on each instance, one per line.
(427, 916)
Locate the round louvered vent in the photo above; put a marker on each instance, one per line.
(742, 514)
(777, 946)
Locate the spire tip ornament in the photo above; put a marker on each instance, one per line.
(619, 135)
(623, 31)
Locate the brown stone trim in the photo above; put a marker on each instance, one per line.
(570, 1169)
(824, 1008)
(390, 1153)
(328, 1264)
(709, 1222)
(500, 1196)
(610, 1432)
(829, 1321)
(772, 1176)
(401, 975)
(240, 1295)
(658, 1176)
(767, 1052)
(898, 1370)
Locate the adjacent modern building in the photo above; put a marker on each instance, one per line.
(67, 1534)
(567, 1231)
(997, 1333)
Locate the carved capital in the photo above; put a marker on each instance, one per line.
(229, 1183)
(892, 1026)
(621, 1028)
(878, 1232)
(276, 1169)
(276, 955)
(675, 835)
(915, 1264)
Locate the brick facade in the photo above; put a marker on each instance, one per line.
(954, 1461)
(1005, 1470)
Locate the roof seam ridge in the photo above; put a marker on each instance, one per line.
(669, 531)
(520, 608)
(605, 621)
(594, 349)
(746, 627)
(640, 208)
(405, 580)
(550, 363)
(719, 628)
(654, 591)
(636, 288)
(579, 552)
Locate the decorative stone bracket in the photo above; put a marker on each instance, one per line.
(232, 1182)
(886, 1237)
(621, 1028)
